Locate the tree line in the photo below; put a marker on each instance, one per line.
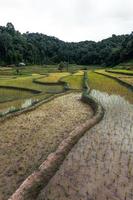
(37, 48)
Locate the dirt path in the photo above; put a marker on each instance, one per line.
(100, 166)
(26, 140)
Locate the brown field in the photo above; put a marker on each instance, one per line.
(26, 140)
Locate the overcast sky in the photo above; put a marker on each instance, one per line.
(69, 20)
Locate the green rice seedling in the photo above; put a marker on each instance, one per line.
(108, 85)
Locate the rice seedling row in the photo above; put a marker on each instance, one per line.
(99, 167)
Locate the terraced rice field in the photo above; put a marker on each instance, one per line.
(74, 80)
(18, 104)
(15, 99)
(19, 96)
(121, 75)
(105, 84)
(27, 82)
(99, 167)
(26, 140)
(53, 77)
(121, 71)
(11, 94)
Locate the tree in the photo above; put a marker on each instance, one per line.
(36, 48)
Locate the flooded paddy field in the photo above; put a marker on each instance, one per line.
(99, 167)
(109, 85)
(7, 94)
(13, 94)
(16, 93)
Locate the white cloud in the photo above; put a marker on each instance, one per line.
(69, 20)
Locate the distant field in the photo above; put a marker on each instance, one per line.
(109, 85)
(125, 65)
(121, 71)
(74, 81)
(12, 88)
(53, 77)
(37, 69)
(123, 77)
(27, 82)
(19, 96)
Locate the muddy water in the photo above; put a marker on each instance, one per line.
(99, 167)
(6, 107)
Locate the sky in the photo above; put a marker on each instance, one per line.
(69, 20)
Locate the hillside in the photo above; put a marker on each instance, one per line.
(37, 48)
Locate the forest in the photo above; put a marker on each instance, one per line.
(37, 48)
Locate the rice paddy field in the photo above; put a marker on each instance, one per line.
(121, 71)
(53, 77)
(10, 94)
(14, 92)
(99, 167)
(124, 75)
(74, 80)
(105, 84)
(27, 140)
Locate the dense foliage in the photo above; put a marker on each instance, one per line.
(36, 48)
